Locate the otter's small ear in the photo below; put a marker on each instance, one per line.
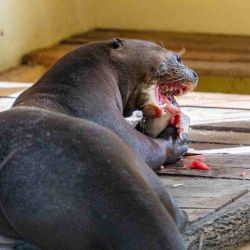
(117, 43)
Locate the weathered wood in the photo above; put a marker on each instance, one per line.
(197, 187)
(220, 166)
(225, 161)
(215, 200)
(197, 213)
(236, 126)
(231, 221)
(221, 137)
(218, 68)
(48, 56)
(215, 56)
(202, 202)
(215, 100)
(189, 41)
(240, 150)
(193, 53)
(225, 229)
(203, 115)
(8, 89)
(5, 103)
(213, 172)
(23, 73)
(206, 60)
(207, 146)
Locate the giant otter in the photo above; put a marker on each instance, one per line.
(74, 174)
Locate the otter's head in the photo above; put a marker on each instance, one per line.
(150, 75)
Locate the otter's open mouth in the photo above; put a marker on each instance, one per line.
(165, 91)
(164, 97)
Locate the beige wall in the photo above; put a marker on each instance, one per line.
(26, 25)
(205, 16)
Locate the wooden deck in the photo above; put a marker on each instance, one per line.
(217, 201)
(222, 61)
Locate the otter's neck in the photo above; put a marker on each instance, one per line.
(78, 90)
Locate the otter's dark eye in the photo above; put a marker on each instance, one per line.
(178, 59)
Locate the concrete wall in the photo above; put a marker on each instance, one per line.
(205, 16)
(26, 25)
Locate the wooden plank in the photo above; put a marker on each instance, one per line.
(221, 230)
(207, 146)
(223, 160)
(215, 100)
(10, 89)
(201, 115)
(213, 172)
(9, 92)
(48, 56)
(236, 126)
(78, 40)
(222, 137)
(190, 54)
(215, 56)
(23, 73)
(6, 103)
(190, 41)
(205, 60)
(202, 202)
(196, 187)
(218, 68)
(196, 213)
(240, 150)
(201, 193)
(200, 197)
(220, 166)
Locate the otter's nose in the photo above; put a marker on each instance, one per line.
(194, 77)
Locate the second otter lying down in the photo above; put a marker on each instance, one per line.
(74, 174)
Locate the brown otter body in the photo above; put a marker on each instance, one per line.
(67, 181)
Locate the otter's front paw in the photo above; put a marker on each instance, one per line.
(176, 147)
(176, 150)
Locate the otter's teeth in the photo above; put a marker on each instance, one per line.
(166, 90)
(181, 91)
